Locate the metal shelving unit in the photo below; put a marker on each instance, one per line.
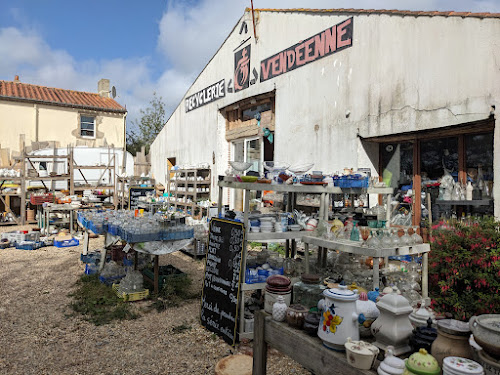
(324, 190)
(185, 184)
(353, 247)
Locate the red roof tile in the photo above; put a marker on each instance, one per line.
(68, 98)
(385, 11)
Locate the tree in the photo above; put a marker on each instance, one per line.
(150, 124)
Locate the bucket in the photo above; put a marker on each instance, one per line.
(30, 214)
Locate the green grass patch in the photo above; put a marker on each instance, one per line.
(98, 303)
(175, 290)
(181, 328)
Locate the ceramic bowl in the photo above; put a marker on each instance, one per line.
(461, 366)
(422, 363)
(240, 166)
(249, 178)
(486, 331)
(360, 354)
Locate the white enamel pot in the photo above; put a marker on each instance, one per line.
(339, 318)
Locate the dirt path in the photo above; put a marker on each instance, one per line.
(37, 335)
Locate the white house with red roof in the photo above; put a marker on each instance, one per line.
(60, 117)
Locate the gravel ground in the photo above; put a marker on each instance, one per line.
(37, 335)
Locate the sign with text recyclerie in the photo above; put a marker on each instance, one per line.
(219, 300)
(135, 192)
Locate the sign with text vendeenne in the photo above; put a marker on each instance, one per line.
(331, 40)
(205, 96)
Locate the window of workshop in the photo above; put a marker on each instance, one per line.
(397, 164)
(438, 155)
(479, 157)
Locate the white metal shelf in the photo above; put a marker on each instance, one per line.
(302, 188)
(275, 236)
(355, 247)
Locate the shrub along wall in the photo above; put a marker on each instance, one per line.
(464, 268)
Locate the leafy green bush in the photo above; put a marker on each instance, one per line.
(98, 303)
(464, 268)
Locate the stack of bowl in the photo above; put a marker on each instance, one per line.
(277, 285)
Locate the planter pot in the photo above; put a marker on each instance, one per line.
(360, 354)
(486, 331)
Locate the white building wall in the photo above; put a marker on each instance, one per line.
(401, 74)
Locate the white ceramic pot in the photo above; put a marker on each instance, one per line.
(360, 354)
(279, 309)
(391, 365)
(339, 318)
(393, 326)
(461, 366)
(486, 331)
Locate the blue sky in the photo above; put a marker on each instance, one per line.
(142, 46)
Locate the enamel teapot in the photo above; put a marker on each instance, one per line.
(339, 318)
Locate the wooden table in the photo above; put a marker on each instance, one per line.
(298, 345)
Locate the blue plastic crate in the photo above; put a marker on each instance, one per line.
(31, 245)
(67, 243)
(90, 257)
(91, 269)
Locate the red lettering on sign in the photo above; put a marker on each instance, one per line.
(319, 45)
(330, 40)
(290, 58)
(276, 65)
(341, 30)
(283, 61)
(299, 54)
(309, 50)
(265, 68)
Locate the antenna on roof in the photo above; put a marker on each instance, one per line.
(113, 92)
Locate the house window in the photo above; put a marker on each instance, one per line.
(87, 127)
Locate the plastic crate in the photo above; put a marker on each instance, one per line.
(90, 258)
(165, 273)
(111, 280)
(130, 297)
(40, 199)
(67, 243)
(28, 245)
(91, 269)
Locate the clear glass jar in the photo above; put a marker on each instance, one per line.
(308, 291)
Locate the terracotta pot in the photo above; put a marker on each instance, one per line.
(452, 340)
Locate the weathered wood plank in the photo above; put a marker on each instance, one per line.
(260, 345)
(308, 351)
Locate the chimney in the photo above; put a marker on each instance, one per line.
(16, 79)
(103, 88)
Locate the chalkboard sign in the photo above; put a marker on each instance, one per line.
(134, 192)
(221, 285)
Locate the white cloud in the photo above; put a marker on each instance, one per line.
(189, 35)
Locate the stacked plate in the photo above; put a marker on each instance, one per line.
(267, 224)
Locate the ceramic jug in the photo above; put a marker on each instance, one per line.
(339, 318)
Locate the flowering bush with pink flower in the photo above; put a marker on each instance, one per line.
(464, 268)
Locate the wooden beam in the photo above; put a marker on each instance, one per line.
(417, 185)
(260, 345)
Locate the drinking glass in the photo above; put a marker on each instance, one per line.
(365, 233)
(396, 242)
(373, 242)
(386, 240)
(406, 239)
(416, 238)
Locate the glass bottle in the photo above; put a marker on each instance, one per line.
(308, 291)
